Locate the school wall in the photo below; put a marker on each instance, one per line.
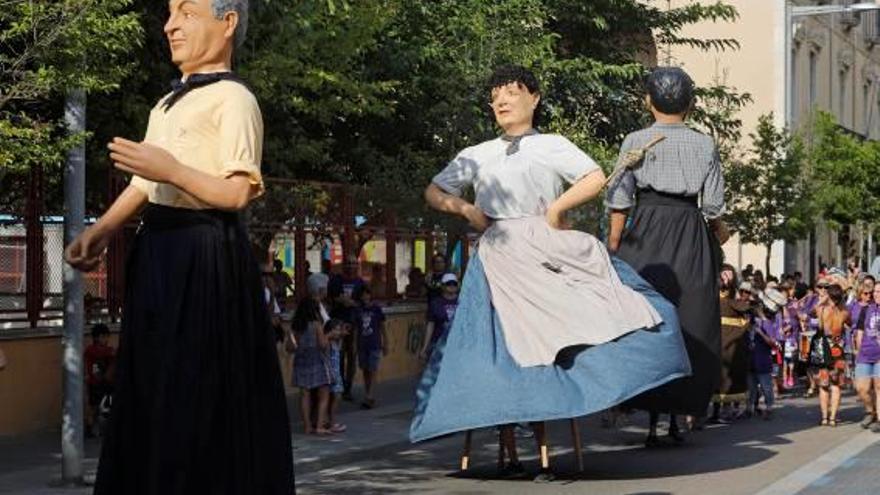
(30, 386)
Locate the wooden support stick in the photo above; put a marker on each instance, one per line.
(578, 449)
(501, 446)
(466, 455)
(541, 437)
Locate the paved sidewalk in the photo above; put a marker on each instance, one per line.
(790, 453)
(31, 464)
(370, 432)
(742, 458)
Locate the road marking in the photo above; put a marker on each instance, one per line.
(814, 471)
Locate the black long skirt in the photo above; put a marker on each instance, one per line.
(670, 245)
(200, 404)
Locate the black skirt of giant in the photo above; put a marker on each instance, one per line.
(199, 404)
(669, 244)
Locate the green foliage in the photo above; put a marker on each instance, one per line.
(46, 49)
(768, 196)
(846, 173)
(382, 93)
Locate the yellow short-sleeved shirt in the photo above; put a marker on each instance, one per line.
(217, 129)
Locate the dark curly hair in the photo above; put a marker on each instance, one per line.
(671, 90)
(506, 74)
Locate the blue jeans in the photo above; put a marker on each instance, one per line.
(765, 382)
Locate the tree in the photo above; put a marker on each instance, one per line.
(46, 49)
(381, 93)
(768, 194)
(846, 175)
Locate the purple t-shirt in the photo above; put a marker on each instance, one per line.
(794, 324)
(855, 311)
(870, 350)
(441, 312)
(762, 353)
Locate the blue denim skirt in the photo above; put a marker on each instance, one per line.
(471, 381)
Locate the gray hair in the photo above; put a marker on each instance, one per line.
(316, 283)
(221, 7)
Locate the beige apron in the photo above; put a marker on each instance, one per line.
(556, 288)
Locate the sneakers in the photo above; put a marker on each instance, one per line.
(875, 428)
(867, 421)
(545, 476)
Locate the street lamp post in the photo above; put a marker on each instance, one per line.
(793, 12)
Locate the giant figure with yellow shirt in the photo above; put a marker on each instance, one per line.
(199, 404)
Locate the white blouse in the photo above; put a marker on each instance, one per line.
(519, 185)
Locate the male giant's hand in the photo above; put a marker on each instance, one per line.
(84, 253)
(144, 160)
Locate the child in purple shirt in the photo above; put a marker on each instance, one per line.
(762, 343)
(440, 314)
(791, 332)
(372, 342)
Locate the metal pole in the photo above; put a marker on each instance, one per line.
(72, 442)
(789, 75)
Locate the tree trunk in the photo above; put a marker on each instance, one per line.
(769, 247)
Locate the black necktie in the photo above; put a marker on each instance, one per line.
(513, 147)
(179, 88)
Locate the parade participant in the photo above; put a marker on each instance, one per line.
(199, 404)
(735, 319)
(827, 360)
(809, 324)
(672, 241)
(434, 280)
(441, 313)
(791, 335)
(867, 375)
(762, 342)
(858, 312)
(547, 326)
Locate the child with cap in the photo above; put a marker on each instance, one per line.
(440, 314)
(762, 342)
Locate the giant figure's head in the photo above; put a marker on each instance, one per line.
(670, 90)
(203, 33)
(515, 97)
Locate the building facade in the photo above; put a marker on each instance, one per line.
(835, 66)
